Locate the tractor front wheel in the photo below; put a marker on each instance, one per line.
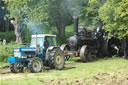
(35, 65)
(56, 59)
(15, 69)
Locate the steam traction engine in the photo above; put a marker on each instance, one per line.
(85, 43)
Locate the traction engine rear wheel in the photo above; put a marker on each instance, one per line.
(15, 69)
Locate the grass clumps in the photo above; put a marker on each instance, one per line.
(7, 50)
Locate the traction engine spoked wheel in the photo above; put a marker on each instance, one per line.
(84, 53)
(15, 69)
(35, 65)
(56, 59)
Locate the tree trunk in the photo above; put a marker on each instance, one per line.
(18, 30)
(61, 30)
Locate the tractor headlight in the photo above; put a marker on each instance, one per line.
(17, 54)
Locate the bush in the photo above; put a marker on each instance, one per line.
(9, 36)
(7, 50)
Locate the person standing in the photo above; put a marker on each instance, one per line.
(125, 47)
(4, 42)
(0, 42)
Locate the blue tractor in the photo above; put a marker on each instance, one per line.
(43, 51)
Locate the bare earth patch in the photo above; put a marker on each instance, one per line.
(99, 79)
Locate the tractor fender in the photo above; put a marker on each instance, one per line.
(51, 48)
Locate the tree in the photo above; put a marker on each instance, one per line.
(51, 12)
(16, 9)
(4, 21)
(90, 13)
(114, 14)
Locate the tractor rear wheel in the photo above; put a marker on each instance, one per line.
(56, 59)
(15, 69)
(84, 53)
(35, 65)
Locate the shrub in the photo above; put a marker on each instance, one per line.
(7, 50)
(9, 36)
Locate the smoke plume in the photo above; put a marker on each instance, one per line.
(75, 6)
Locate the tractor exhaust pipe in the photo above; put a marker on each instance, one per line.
(76, 19)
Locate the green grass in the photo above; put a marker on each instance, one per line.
(73, 70)
(2, 64)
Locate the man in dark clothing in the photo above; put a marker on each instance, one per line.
(125, 46)
(46, 44)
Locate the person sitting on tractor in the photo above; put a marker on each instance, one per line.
(46, 44)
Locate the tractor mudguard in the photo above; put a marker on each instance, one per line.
(13, 60)
(49, 50)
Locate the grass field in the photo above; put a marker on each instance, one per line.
(75, 73)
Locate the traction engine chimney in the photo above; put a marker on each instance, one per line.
(76, 19)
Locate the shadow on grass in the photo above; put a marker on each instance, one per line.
(69, 68)
(65, 68)
(4, 67)
(92, 60)
(5, 73)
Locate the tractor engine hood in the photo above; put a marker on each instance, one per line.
(24, 52)
(25, 49)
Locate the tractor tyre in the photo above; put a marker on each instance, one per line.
(15, 69)
(56, 59)
(35, 65)
(84, 53)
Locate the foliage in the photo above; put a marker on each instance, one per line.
(114, 15)
(16, 8)
(4, 21)
(90, 15)
(69, 32)
(7, 50)
(27, 35)
(16, 11)
(52, 12)
(9, 36)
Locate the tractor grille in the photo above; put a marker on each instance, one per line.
(30, 54)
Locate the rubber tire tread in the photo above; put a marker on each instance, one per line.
(31, 62)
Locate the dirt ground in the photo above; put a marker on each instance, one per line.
(99, 79)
